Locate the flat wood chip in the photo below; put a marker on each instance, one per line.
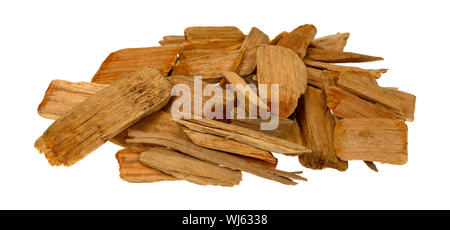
(331, 42)
(299, 39)
(334, 56)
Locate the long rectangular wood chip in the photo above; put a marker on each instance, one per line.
(331, 42)
(104, 115)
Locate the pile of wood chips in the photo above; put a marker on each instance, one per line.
(329, 114)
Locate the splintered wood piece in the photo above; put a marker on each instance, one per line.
(330, 78)
(226, 145)
(372, 139)
(125, 61)
(207, 47)
(132, 170)
(347, 105)
(189, 168)
(172, 40)
(365, 89)
(251, 97)
(104, 115)
(371, 165)
(331, 42)
(208, 66)
(375, 73)
(334, 56)
(314, 77)
(293, 134)
(409, 102)
(61, 96)
(254, 39)
(213, 33)
(279, 65)
(244, 135)
(213, 156)
(318, 126)
(284, 125)
(277, 38)
(299, 39)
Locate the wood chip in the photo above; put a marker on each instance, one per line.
(125, 61)
(372, 139)
(318, 126)
(61, 96)
(193, 34)
(132, 170)
(244, 135)
(299, 39)
(189, 168)
(104, 115)
(172, 40)
(334, 56)
(277, 38)
(217, 157)
(230, 146)
(375, 73)
(331, 42)
(278, 65)
(371, 165)
(347, 105)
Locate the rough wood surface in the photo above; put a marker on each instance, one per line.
(277, 38)
(230, 146)
(244, 135)
(61, 96)
(253, 40)
(402, 104)
(331, 42)
(284, 125)
(279, 65)
(317, 124)
(299, 39)
(104, 115)
(199, 33)
(372, 139)
(189, 168)
(334, 56)
(347, 105)
(213, 156)
(208, 47)
(132, 170)
(125, 61)
(375, 73)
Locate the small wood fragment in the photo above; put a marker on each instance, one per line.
(318, 126)
(189, 168)
(219, 158)
(371, 165)
(277, 38)
(226, 145)
(279, 65)
(254, 39)
(333, 56)
(104, 115)
(132, 170)
(375, 73)
(331, 42)
(125, 61)
(299, 39)
(172, 40)
(198, 33)
(372, 139)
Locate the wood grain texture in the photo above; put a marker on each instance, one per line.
(213, 156)
(61, 96)
(372, 139)
(317, 124)
(331, 42)
(253, 40)
(299, 39)
(375, 73)
(333, 56)
(132, 170)
(197, 33)
(104, 115)
(282, 66)
(172, 40)
(189, 168)
(125, 61)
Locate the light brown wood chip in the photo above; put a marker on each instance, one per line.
(279, 65)
(244, 135)
(122, 62)
(254, 39)
(299, 39)
(217, 157)
(334, 56)
(132, 170)
(61, 96)
(372, 139)
(277, 38)
(104, 115)
(172, 40)
(197, 33)
(318, 126)
(331, 42)
(375, 73)
(189, 168)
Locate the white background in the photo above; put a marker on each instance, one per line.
(45, 40)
